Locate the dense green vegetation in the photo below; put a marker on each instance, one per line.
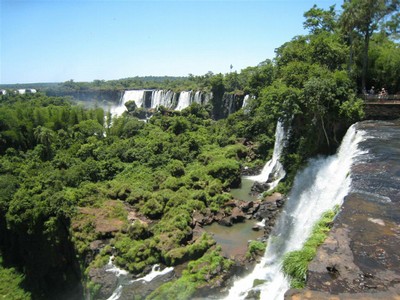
(71, 176)
(10, 284)
(203, 272)
(295, 263)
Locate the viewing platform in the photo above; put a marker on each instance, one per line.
(381, 107)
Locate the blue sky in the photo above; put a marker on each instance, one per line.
(83, 40)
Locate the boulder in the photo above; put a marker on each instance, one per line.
(225, 222)
(237, 215)
(260, 187)
(107, 281)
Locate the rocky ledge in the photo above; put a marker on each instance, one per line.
(360, 259)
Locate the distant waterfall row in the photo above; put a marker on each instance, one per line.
(154, 98)
(151, 99)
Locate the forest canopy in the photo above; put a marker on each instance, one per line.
(72, 175)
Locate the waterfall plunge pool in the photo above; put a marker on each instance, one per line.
(234, 240)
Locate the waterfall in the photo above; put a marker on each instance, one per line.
(273, 166)
(134, 95)
(317, 188)
(184, 100)
(162, 97)
(245, 101)
(197, 97)
(110, 267)
(122, 276)
(155, 98)
(130, 95)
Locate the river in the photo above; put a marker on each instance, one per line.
(317, 188)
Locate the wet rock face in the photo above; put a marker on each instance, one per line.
(108, 282)
(269, 211)
(141, 289)
(259, 187)
(361, 254)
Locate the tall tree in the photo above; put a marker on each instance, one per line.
(318, 19)
(364, 17)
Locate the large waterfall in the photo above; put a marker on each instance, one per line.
(273, 166)
(184, 100)
(163, 98)
(132, 95)
(321, 185)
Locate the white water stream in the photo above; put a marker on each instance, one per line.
(184, 100)
(273, 165)
(131, 95)
(319, 187)
(155, 272)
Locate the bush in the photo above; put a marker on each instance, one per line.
(190, 252)
(205, 271)
(255, 248)
(10, 284)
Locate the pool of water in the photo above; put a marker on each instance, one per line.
(243, 193)
(233, 240)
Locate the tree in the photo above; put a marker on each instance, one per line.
(364, 17)
(44, 136)
(384, 63)
(318, 20)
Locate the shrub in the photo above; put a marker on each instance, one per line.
(10, 284)
(199, 273)
(255, 248)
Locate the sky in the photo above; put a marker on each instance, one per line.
(85, 40)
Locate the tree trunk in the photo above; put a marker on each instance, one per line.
(350, 67)
(365, 60)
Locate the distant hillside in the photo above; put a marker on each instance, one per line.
(38, 85)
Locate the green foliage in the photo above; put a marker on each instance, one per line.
(199, 273)
(318, 20)
(10, 284)
(191, 251)
(295, 263)
(359, 20)
(384, 63)
(68, 174)
(135, 255)
(255, 248)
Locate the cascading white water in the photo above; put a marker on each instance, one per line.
(184, 100)
(231, 102)
(162, 97)
(166, 98)
(273, 165)
(110, 267)
(134, 95)
(245, 101)
(155, 272)
(197, 97)
(157, 98)
(319, 187)
(130, 95)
